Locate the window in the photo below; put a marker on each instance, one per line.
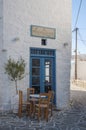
(43, 42)
(41, 52)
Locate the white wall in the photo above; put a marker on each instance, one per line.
(18, 16)
(81, 70)
(1, 23)
(3, 78)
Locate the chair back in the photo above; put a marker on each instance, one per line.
(30, 91)
(44, 98)
(51, 92)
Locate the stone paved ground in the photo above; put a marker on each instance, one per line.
(73, 118)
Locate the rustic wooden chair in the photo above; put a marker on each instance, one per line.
(51, 92)
(30, 91)
(23, 104)
(43, 106)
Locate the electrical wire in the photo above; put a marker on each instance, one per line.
(78, 13)
(81, 38)
(82, 28)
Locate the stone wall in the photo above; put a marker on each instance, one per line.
(81, 70)
(18, 16)
(1, 23)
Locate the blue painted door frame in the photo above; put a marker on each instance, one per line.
(42, 72)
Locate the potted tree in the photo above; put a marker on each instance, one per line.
(15, 70)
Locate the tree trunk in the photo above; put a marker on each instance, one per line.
(16, 86)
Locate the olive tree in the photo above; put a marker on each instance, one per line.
(15, 70)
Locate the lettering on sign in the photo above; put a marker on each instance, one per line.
(44, 32)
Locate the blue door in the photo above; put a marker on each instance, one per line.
(47, 74)
(42, 70)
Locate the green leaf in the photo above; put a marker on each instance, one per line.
(15, 69)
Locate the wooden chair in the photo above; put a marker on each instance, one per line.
(51, 101)
(20, 104)
(30, 91)
(23, 104)
(43, 106)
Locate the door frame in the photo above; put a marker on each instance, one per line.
(35, 53)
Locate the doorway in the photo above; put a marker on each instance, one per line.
(42, 69)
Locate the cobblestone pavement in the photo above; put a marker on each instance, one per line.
(73, 118)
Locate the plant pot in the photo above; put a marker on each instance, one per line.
(15, 103)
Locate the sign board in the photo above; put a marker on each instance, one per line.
(44, 32)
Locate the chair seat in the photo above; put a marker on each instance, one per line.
(33, 99)
(42, 105)
(26, 103)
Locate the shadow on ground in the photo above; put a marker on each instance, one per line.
(78, 98)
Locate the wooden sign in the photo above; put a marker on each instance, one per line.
(44, 32)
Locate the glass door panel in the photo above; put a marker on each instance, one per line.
(36, 62)
(35, 71)
(42, 69)
(48, 74)
(42, 74)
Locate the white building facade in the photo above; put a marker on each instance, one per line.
(81, 71)
(40, 32)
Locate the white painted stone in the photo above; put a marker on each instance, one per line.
(81, 70)
(18, 16)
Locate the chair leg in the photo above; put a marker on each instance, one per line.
(28, 109)
(39, 114)
(51, 110)
(47, 114)
(20, 111)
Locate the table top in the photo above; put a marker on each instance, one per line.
(36, 96)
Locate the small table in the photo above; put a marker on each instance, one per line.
(36, 96)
